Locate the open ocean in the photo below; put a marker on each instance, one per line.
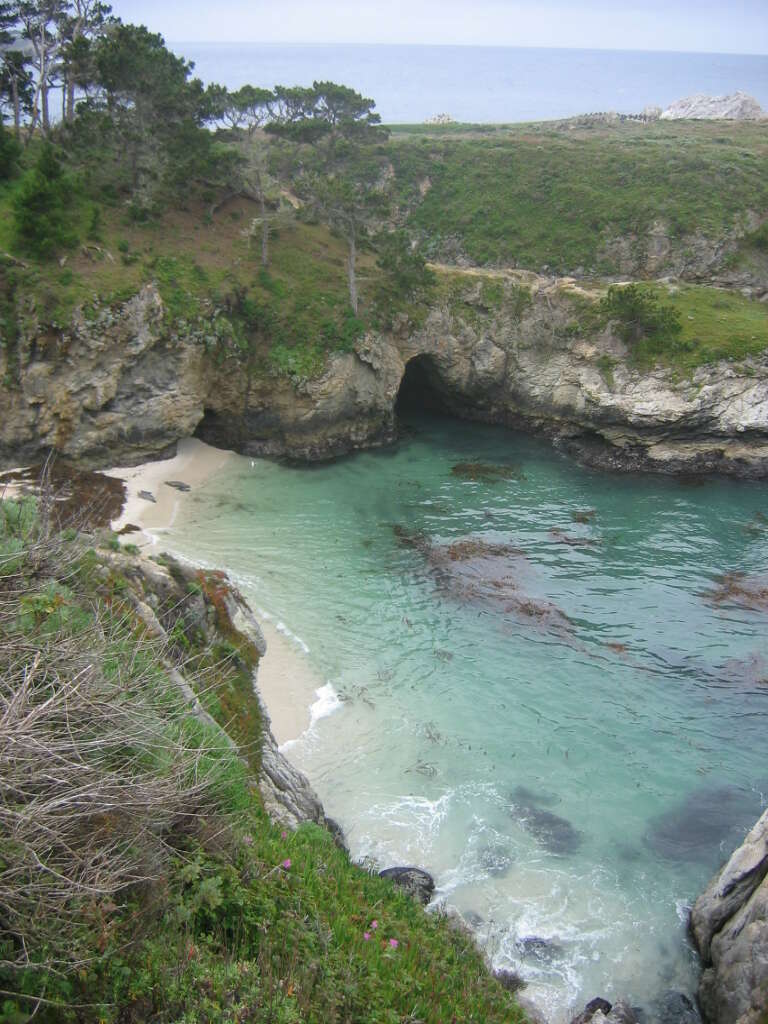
(485, 83)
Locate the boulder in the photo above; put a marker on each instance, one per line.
(730, 889)
(417, 883)
(730, 926)
(591, 1009)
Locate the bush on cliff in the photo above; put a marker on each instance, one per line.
(637, 313)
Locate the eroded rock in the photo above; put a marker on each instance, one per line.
(416, 882)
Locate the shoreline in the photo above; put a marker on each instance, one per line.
(286, 682)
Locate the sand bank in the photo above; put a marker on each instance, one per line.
(287, 682)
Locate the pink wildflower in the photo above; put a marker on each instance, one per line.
(374, 925)
(366, 936)
(286, 863)
(394, 943)
(248, 840)
(283, 835)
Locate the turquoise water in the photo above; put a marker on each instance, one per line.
(563, 728)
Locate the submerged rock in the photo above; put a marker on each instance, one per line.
(739, 590)
(695, 829)
(178, 485)
(544, 950)
(486, 473)
(556, 834)
(674, 1008)
(417, 883)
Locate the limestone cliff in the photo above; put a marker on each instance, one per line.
(123, 387)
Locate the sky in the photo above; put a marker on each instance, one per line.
(710, 26)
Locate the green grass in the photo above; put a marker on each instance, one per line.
(538, 195)
(717, 324)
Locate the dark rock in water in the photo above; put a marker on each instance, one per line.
(524, 795)
(416, 539)
(556, 834)
(473, 919)
(704, 825)
(486, 473)
(544, 950)
(736, 589)
(179, 485)
(674, 1008)
(417, 883)
(148, 496)
(621, 1013)
(746, 672)
(509, 980)
(584, 517)
(591, 1009)
(559, 536)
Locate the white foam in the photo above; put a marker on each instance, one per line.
(282, 628)
(327, 702)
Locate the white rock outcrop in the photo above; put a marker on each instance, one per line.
(738, 106)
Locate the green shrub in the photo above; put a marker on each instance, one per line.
(638, 314)
(42, 207)
(9, 154)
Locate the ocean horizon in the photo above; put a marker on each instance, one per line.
(485, 84)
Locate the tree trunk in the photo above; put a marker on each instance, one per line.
(353, 300)
(70, 102)
(44, 99)
(264, 229)
(16, 106)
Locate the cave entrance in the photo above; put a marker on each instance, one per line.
(420, 389)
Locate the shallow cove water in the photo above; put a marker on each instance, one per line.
(525, 685)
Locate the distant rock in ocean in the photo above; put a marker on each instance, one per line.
(736, 107)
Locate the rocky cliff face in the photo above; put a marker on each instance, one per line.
(730, 926)
(123, 388)
(167, 597)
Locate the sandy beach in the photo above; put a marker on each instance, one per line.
(194, 463)
(287, 683)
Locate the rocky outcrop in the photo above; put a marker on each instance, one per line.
(123, 387)
(729, 922)
(737, 106)
(417, 883)
(168, 599)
